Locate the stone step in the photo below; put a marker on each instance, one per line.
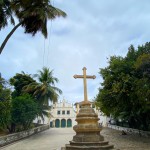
(102, 143)
(72, 147)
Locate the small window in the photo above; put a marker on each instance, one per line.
(58, 112)
(63, 112)
(68, 112)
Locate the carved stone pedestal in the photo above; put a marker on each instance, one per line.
(87, 130)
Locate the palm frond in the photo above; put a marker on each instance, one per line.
(34, 14)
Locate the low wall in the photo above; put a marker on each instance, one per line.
(130, 130)
(4, 140)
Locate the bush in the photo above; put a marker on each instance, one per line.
(24, 111)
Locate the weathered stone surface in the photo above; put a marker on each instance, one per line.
(131, 130)
(89, 143)
(7, 139)
(89, 147)
(87, 130)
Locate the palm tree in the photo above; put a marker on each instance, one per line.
(44, 90)
(33, 16)
(5, 13)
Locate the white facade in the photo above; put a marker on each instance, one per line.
(103, 118)
(63, 115)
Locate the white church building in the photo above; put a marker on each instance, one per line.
(63, 115)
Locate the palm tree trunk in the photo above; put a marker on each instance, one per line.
(8, 36)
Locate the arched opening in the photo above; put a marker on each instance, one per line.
(69, 123)
(57, 123)
(51, 124)
(63, 123)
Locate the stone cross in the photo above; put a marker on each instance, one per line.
(84, 76)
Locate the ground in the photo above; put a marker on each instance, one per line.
(55, 138)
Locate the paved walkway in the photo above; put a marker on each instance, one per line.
(55, 138)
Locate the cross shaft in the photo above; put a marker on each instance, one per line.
(84, 76)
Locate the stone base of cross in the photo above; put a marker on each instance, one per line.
(87, 130)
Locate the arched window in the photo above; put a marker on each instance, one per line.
(63, 123)
(57, 123)
(69, 123)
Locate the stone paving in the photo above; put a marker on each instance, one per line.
(55, 138)
(126, 142)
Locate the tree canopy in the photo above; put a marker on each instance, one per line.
(5, 13)
(29, 99)
(42, 89)
(24, 111)
(32, 16)
(125, 91)
(5, 104)
(19, 81)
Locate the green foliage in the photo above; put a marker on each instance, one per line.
(24, 111)
(5, 114)
(5, 104)
(125, 91)
(32, 15)
(35, 14)
(142, 65)
(29, 99)
(45, 89)
(43, 110)
(19, 81)
(5, 93)
(5, 13)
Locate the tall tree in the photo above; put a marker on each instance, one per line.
(5, 13)
(32, 16)
(19, 81)
(24, 111)
(125, 90)
(44, 90)
(5, 104)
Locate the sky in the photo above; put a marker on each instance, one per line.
(93, 31)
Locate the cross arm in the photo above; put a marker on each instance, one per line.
(87, 76)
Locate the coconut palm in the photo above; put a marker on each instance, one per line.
(5, 13)
(44, 90)
(33, 16)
